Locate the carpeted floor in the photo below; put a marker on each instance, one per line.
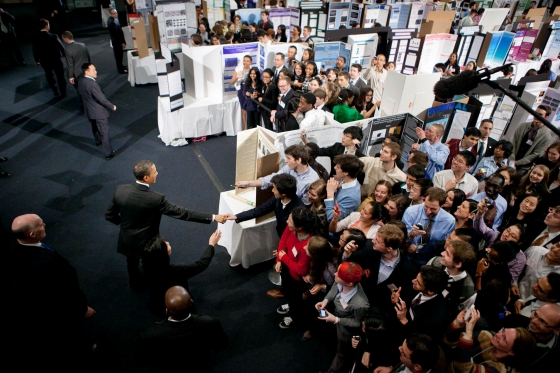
(59, 174)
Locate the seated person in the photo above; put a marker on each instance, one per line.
(282, 203)
(428, 221)
(413, 173)
(345, 199)
(426, 311)
(491, 196)
(296, 165)
(161, 274)
(383, 168)
(457, 176)
(467, 143)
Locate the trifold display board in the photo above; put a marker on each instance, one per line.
(362, 48)
(249, 15)
(402, 126)
(469, 44)
(266, 53)
(552, 100)
(176, 23)
(327, 53)
(202, 69)
(232, 57)
(455, 117)
(169, 81)
(408, 93)
(492, 19)
(374, 15)
(552, 48)
(288, 17)
(495, 48)
(523, 44)
(316, 19)
(399, 15)
(436, 48)
(412, 56)
(419, 11)
(399, 46)
(495, 105)
(343, 14)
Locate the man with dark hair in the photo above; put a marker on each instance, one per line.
(285, 199)
(313, 150)
(48, 297)
(430, 143)
(417, 157)
(467, 143)
(320, 99)
(307, 36)
(551, 234)
(344, 82)
(485, 145)
(493, 214)
(383, 168)
(545, 290)
(457, 177)
(76, 55)
(340, 63)
(312, 116)
(530, 140)
(117, 40)
(196, 40)
(47, 52)
(488, 165)
(347, 197)
(183, 334)
(427, 310)
(418, 190)
(419, 354)
(296, 165)
(265, 23)
(292, 51)
(428, 221)
(356, 80)
(413, 173)
(279, 62)
(138, 210)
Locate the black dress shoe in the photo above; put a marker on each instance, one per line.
(111, 156)
(4, 159)
(4, 174)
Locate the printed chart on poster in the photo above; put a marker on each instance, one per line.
(177, 22)
(436, 48)
(552, 48)
(343, 14)
(399, 46)
(377, 129)
(552, 100)
(499, 48)
(399, 16)
(232, 57)
(327, 53)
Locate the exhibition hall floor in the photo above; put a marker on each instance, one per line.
(59, 174)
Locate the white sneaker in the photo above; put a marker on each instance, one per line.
(286, 323)
(283, 309)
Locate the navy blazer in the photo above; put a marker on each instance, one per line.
(116, 32)
(47, 49)
(273, 204)
(96, 106)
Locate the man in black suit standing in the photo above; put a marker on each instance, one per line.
(183, 334)
(485, 145)
(76, 55)
(96, 108)
(279, 60)
(117, 39)
(138, 210)
(8, 39)
(48, 51)
(48, 300)
(280, 115)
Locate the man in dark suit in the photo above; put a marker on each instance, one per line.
(427, 310)
(117, 40)
(76, 55)
(279, 61)
(356, 81)
(138, 210)
(280, 115)
(485, 145)
(48, 51)
(48, 300)
(182, 339)
(96, 108)
(8, 39)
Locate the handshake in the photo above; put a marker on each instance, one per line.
(222, 218)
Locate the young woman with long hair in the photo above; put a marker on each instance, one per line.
(252, 88)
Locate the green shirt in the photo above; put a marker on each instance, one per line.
(344, 114)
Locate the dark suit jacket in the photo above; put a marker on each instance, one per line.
(334, 150)
(360, 83)
(379, 295)
(489, 151)
(138, 210)
(270, 96)
(96, 106)
(76, 55)
(9, 21)
(173, 346)
(274, 76)
(269, 25)
(116, 32)
(282, 112)
(47, 49)
(429, 318)
(273, 204)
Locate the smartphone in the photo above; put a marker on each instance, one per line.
(468, 314)
(420, 226)
(357, 337)
(323, 313)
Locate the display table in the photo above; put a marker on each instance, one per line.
(141, 70)
(198, 121)
(247, 243)
(521, 68)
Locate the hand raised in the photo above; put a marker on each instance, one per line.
(215, 237)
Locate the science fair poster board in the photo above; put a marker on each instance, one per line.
(492, 19)
(523, 44)
(552, 100)
(399, 46)
(412, 56)
(375, 15)
(552, 48)
(176, 23)
(202, 69)
(408, 93)
(467, 43)
(418, 12)
(232, 57)
(362, 48)
(249, 15)
(343, 14)
(288, 17)
(399, 15)
(266, 53)
(436, 48)
(315, 18)
(327, 53)
(498, 45)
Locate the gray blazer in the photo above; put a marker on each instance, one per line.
(96, 106)
(76, 55)
(352, 316)
(360, 83)
(543, 138)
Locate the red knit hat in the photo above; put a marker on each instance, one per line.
(350, 272)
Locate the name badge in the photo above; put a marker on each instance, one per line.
(294, 251)
(282, 104)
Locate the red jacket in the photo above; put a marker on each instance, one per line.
(296, 258)
(454, 150)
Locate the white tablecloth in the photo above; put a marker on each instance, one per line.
(141, 70)
(198, 121)
(247, 243)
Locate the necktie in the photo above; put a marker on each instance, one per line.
(415, 302)
(351, 83)
(426, 237)
(3, 26)
(539, 241)
(481, 149)
(45, 246)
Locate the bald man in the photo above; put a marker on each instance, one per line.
(49, 299)
(183, 339)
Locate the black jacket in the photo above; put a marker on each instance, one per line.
(47, 49)
(273, 204)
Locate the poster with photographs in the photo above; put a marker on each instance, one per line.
(176, 24)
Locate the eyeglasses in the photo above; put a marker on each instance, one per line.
(458, 160)
(535, 315)
(554, 213)
(513, 235)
